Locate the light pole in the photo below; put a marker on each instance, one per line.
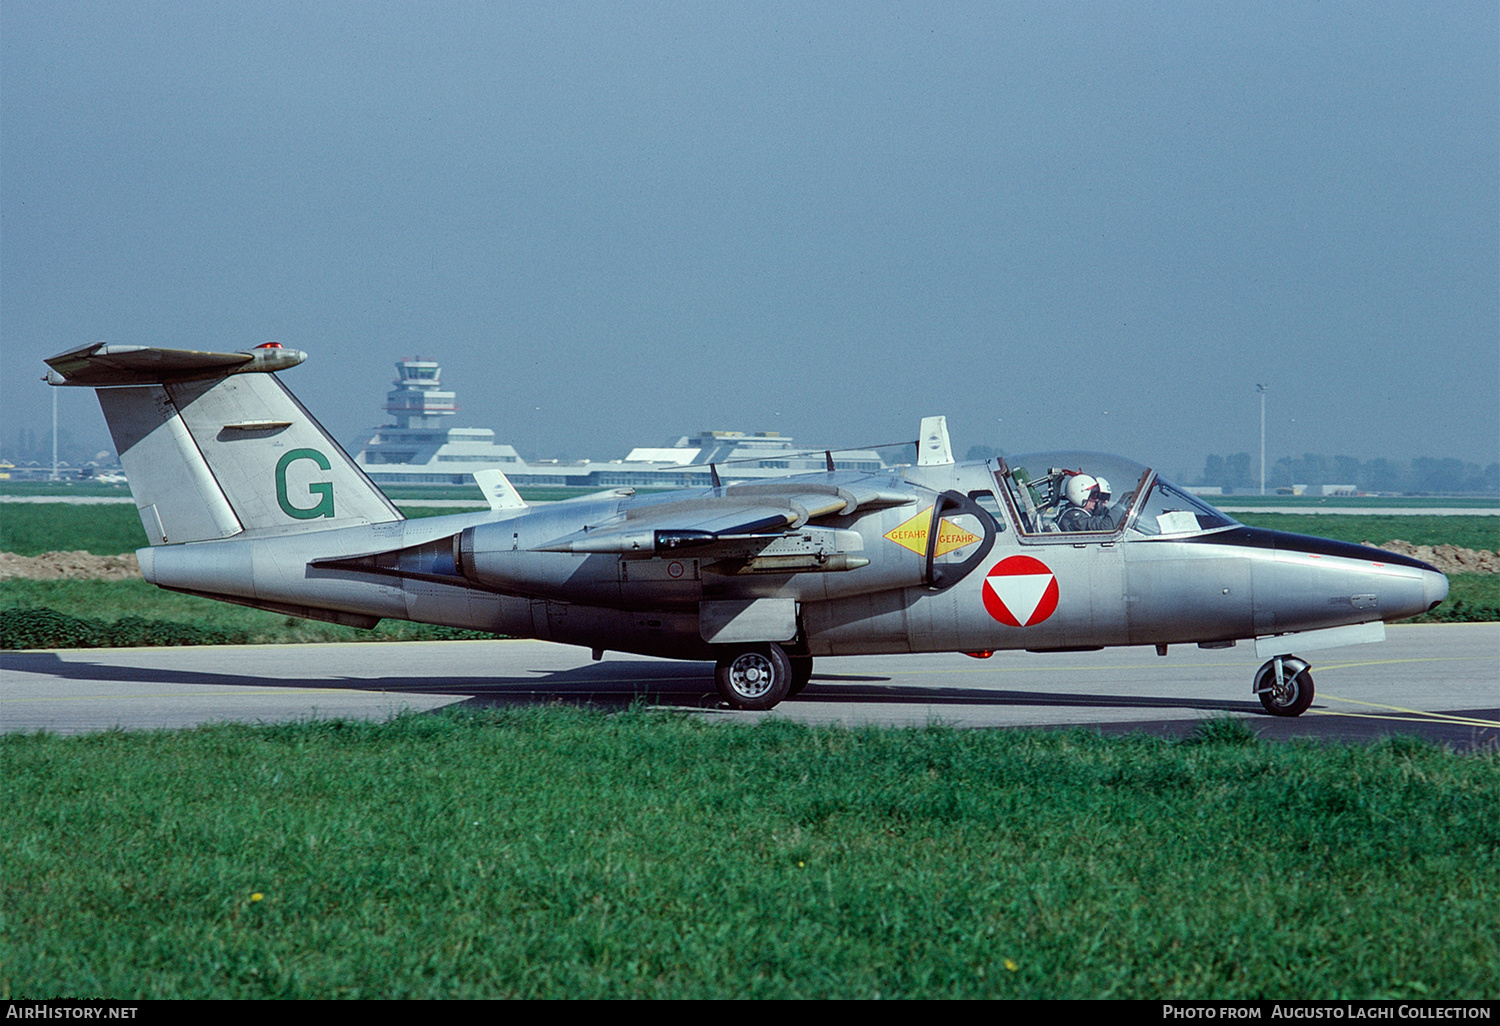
(1262, 390)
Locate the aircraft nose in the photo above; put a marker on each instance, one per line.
(1414, 594)
(1434, 587)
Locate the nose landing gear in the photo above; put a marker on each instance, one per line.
(1284, 686)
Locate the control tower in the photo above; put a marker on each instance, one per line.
(420, 442)
(418, 400)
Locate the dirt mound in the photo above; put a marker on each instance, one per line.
(1450, 559)
(69, 566)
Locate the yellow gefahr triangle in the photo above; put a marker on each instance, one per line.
(912, 534)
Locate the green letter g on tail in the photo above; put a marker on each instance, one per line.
(324, 507)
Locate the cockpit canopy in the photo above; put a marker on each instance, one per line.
(1130, 499)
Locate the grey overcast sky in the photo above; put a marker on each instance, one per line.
(1083, 225)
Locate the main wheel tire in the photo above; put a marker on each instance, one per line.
(1291, 698)
(756, 677)
(801, 674)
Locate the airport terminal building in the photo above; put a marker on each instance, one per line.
(419, 449)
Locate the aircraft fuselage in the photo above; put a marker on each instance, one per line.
(245, 497)
(1051, 592)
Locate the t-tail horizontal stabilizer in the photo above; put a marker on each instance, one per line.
(214, 445)
(99, 364)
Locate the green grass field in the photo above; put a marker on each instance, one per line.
(109, 614)
(1476, 532)
(29, 529)
(63, 488)
(1357, 501)
(565, 853)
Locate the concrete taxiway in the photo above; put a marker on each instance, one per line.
(1440, 682)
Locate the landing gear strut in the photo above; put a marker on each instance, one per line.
(755, 677)
(801, 674)
(1284, 686)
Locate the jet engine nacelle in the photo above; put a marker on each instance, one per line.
(665, 569)
(491, 556)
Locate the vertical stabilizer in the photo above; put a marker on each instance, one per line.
(212, 448)
(175, 493)
(933, 448)
(498, 491)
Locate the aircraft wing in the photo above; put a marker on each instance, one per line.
(759, 510)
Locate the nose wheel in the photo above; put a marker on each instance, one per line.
(1284, 686)
(755, 677)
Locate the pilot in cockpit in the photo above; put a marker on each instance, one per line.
(1087, 508)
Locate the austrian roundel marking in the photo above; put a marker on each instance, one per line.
(1020, 591)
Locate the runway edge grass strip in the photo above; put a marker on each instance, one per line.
(567, 853)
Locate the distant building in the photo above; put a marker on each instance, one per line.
(1328, 489)
(418, 449)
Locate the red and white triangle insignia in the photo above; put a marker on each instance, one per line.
(1020, 591)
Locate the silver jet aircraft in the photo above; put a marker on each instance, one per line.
(246, 498)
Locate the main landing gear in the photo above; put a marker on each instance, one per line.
(758, 677)
(1284, 686)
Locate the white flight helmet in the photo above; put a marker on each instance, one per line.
(1104, 492)
(1079, 488)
